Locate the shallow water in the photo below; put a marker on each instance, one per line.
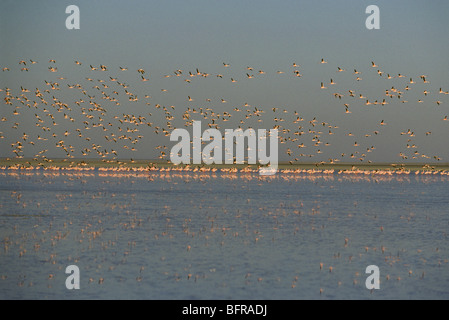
(223, 236)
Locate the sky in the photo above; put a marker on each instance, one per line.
(164, 36)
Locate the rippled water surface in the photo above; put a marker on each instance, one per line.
(223, 236)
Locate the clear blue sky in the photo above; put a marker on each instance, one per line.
(163, 36)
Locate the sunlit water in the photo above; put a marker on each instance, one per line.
(223, 236)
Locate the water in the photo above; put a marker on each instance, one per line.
(223, 236)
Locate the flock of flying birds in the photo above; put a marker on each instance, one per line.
(102, 115)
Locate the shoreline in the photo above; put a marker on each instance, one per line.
(153, 165)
